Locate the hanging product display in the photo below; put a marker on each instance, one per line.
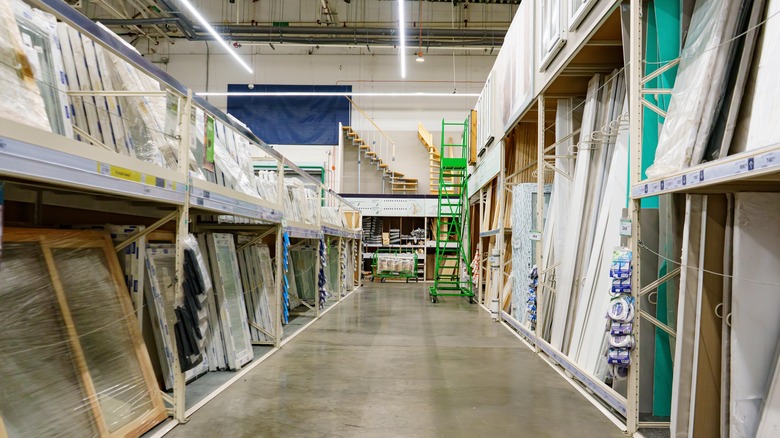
(84, 368)
(621, 313)
(322, 280)
(530, 302)
(286, 285)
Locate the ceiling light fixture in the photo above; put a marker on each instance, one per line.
(329, 93)
(420, 57)
(214, 33)
(402, 35)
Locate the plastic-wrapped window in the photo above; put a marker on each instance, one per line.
(37, 29)
(72, 359)
(20, 98)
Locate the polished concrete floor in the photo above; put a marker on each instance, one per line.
(388, 363)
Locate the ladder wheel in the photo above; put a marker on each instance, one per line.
(434, 300)
(471, 300)
(383, 280)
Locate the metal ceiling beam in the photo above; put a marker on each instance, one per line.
(234, 31)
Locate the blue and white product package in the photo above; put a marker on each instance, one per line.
(621, 263)
(621, 328)
(621, 285)
(621, 308)
(622, 341)
(620, 313)
(618, 356)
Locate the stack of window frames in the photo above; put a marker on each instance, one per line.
(161, 268)
(304, 261)
(71, 355)
(42, 47)
(216, 311)
(257, 279)
(21, 97)
(230, 299)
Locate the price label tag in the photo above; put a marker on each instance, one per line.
(625, 227)
(535, 235)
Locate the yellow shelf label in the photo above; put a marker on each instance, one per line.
(126, 174)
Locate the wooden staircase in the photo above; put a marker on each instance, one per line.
(434, 158)
(399, 184)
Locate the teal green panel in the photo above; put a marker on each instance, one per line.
(662, 378)
(666, 40)
(650, 119)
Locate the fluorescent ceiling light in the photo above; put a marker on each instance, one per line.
(329, 93)
(214, 33)
(402, 33)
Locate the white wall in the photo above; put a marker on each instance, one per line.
(367, 71)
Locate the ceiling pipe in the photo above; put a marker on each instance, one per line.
(237, 31)
(357, 31)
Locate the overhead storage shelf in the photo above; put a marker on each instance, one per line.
(333, 230)
(217, 199)
(300, 230)
(30, 154)
(754, 170)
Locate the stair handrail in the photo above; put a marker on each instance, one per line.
(426, 137)
(378, 129)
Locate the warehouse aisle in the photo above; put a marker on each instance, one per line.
(388, 363)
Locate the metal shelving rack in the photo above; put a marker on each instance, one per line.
(564, 74)
(94, 179)
(757, 170)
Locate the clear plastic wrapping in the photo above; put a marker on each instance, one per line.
(229, 172)
(334, 216)
(266, 182)
(697, 89)
(230, 302)
(304, 260)
(404, 263)
(72, 359)
(39, 37)
(20, 97)
(145, 116)
(254, 262)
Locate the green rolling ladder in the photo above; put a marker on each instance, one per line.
(452, 220)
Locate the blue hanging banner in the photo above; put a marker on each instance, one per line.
(298, 120)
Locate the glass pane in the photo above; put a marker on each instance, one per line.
(234, 300)
(105, 338)
(305, 261)
(40, 394)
